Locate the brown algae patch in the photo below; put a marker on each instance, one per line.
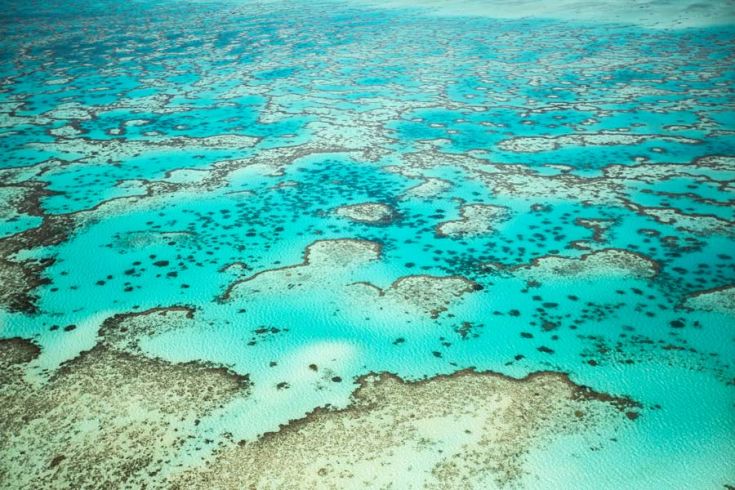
(104, 419)
(17, 282)
(476, 219)
(14, 353)
(124, 331)
(373, 213)
(19, 278)
(466, 430)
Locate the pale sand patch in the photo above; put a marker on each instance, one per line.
(370, 212)
(532, 144)
(476, 219)
(721, 300)
(429, 188)
(334, 265)
(419, 294)
(607, 262)
(702, 224)
(325, 262)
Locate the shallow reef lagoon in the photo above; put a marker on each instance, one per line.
(342, 244)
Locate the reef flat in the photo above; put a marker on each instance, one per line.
(105, 418)
(367, 243)
(465, 430)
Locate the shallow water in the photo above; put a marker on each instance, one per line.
(575, 178)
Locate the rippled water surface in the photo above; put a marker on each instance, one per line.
(353, 244)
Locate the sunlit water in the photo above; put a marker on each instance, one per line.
(178, 138)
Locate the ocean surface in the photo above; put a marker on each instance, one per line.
(226, 226)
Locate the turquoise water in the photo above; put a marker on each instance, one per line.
(171, 139)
